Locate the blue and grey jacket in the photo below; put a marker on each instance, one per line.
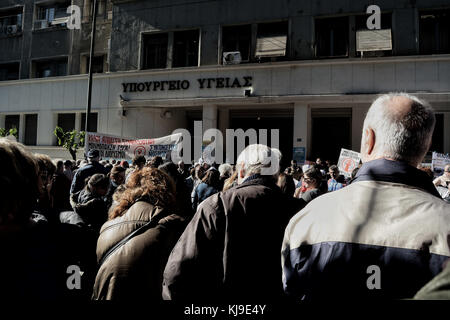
(384, 236)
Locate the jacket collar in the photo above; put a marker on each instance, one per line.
(258, 179)
(396, 172)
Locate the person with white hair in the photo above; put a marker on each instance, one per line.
(386, 234)
(231, 247)
(225, 171)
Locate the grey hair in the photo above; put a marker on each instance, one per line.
(403, 139)
(225, 168)
(260, 159)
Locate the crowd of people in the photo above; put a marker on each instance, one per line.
(159, 230)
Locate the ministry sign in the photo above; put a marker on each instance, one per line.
(176, 85)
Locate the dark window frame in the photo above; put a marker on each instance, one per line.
(437, 36)
(191, 58)
(332, 38)
(238, 40)
(166, 50)
(95, 60)
(157, 62)
(63, 118)
(30, 138)
(39, 67)
(11, 116)
(4, 66)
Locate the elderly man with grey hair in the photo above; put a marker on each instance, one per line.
(231, 247)
(387, 233)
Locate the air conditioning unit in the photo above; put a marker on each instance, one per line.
(232, 57)
(11, 29)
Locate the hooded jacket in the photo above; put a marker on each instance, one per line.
(134, 271)
(383, 236)
(91, 208)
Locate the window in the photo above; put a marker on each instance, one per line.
(9, 71)
(11, 21)
(97, 64)
(51, 14)
(331, 37)
(30, 129)
(185, 48)
(434, 32)
(386, 24)
(237, 38)
(66, 121)
(155, 50)
(12, 121)
(92, 121)
(271, 40)
(50, 68)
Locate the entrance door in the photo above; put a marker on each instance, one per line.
(331, 131)
(282, 120)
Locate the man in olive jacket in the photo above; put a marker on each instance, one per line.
(231, 247)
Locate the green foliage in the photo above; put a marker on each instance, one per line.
(10, 132)
(70, 140)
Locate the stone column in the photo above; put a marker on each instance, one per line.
(301, 131)
(47, 121)
(209, 117)
(22, 128)
(78, 124)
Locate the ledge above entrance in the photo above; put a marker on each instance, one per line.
(334, 99)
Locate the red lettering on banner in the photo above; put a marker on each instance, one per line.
(94, 138)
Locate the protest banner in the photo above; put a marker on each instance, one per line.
(119, 148)
(348, 161)
(438, 162)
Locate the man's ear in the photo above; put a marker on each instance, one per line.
(370, 141)
(241, 172)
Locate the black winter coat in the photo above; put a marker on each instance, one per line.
(231, 248)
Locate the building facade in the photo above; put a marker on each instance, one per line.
(308, 68)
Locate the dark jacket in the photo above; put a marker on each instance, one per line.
(87, 171)
(35, 259)
(134, 271)
(189, 182)
(201, 192)
(389, 223)
(60, 192)
(109, 194)
(91, 208)
(310, 195)
(231, 247)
